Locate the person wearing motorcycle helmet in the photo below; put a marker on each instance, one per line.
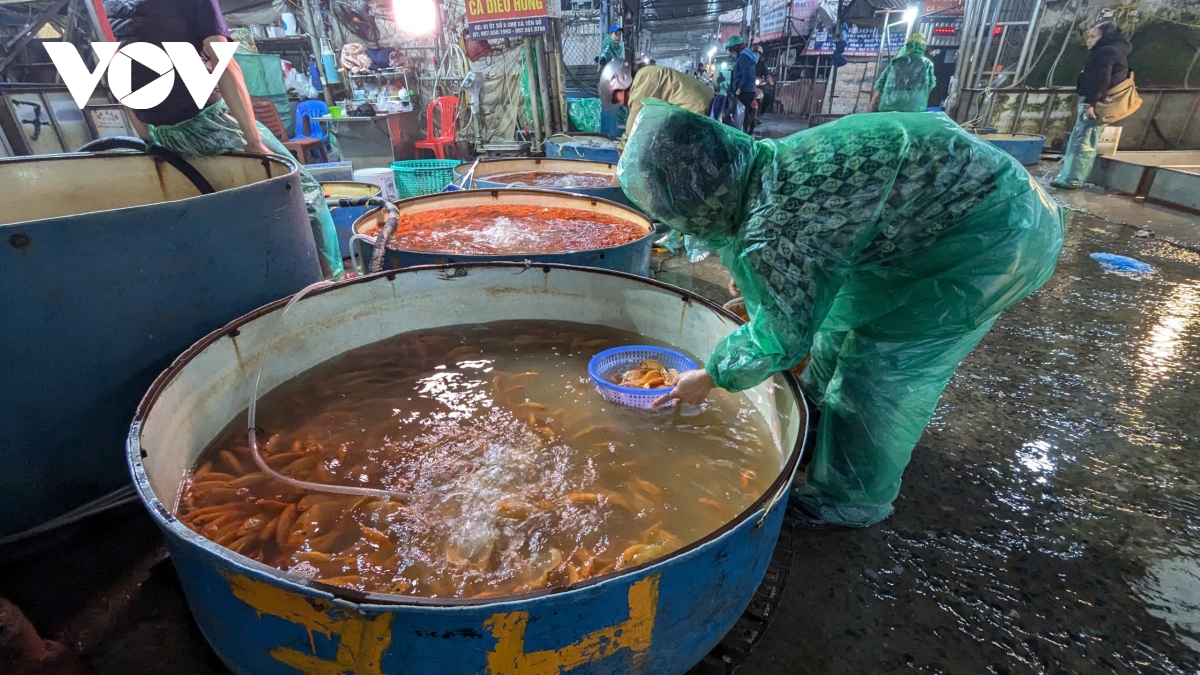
(741, 82)
(660, 82)
(614, 46)
(760, 67)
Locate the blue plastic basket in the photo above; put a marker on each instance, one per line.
(620, 359)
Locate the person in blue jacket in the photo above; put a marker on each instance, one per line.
(741, 82)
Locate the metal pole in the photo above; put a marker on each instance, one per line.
(340, 30)
(69, 33)
(787, 48)
(974, 58)
(1029, 33)
(533, 114)
(832, 83)
(316, 49)
(965, 44)
(999, 52)
(1188, 122)
(971, 17)
(987, 46)
(883, 38)
(560, 79)
(543, 67)
(99, 18)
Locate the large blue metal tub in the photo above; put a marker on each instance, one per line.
(633, 257)
(582, 145)
(482, 177)
(344, 216)
(659, 618)
(110, 265)
(1025, 148)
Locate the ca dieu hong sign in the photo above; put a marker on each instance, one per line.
(493, 19)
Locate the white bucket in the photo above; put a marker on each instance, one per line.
(384, 178)
(289, 23)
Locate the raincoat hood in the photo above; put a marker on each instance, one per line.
(912, 48)
(688, 171)
(1118, 41)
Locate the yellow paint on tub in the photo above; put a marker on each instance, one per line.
(634, 634)
(362, 640)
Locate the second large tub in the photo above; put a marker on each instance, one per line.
(575, 176)
(632, 256)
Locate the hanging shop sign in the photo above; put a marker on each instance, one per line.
(495, 19)
(773, 17)
(860, 41)
(943, 7)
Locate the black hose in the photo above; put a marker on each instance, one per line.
(155, 151)
(385, 234)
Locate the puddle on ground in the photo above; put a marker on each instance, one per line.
(1050, 519)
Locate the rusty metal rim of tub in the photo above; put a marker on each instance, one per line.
(135, 452)
(292, 165)
(495, 192)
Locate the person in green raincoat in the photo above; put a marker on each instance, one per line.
(905, 84)
(881, 247)
(614, 46)
(226, 122)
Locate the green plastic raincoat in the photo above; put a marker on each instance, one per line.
(214, 131)
(905, 84)
(611, 49)
(885, 244)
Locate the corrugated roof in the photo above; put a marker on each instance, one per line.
(867, 10)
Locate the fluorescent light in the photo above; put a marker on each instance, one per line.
(910, 14)
(419, 16)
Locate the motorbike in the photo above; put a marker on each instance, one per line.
(756, 106)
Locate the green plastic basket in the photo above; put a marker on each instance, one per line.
(416, 177)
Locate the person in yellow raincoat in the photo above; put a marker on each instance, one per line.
(664, 84)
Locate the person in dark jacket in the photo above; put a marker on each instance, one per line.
(226, 123)
(1106, 67)
(741, 82)
(764, 81)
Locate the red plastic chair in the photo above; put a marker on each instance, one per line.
(448, 126)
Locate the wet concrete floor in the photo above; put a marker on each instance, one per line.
(1048, 523)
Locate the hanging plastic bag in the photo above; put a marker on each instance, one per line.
(727, 109)
(1123, 266)
(301, 83)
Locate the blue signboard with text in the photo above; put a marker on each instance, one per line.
(860, 41)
